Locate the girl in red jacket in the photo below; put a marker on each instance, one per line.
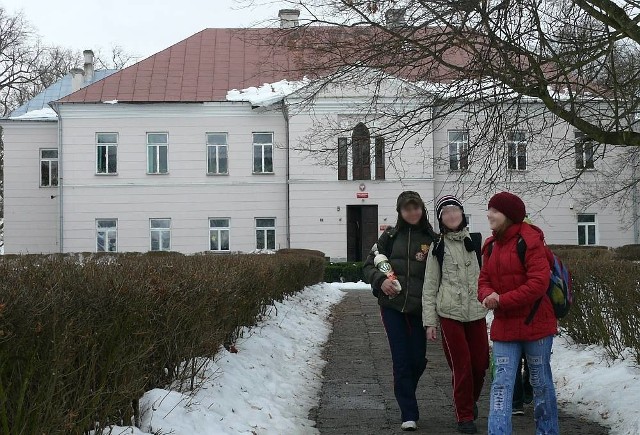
(511, 287)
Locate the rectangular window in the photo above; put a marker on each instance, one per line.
(160, 234)
(157, 150)
(380, 165)
(106, 235)
(107, 153)
(217, 153)
(219, 234)
(49, 168)
(263, 153)
(584, 151)
(587, 229)
(458, 150)
(343, 162)
(266, 233)
(517, 150)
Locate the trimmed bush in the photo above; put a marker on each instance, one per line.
(606, 309)
(628, 252)
(82, 337)
(343, 272)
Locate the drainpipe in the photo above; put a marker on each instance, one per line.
(285, 114)
(56, 108)
(634, 195)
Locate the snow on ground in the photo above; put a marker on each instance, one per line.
(352, 285)
(589, 385)
(268, 93)
(46, 113)
(601, 391)
(268, 387)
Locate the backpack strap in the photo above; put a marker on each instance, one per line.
(438, 252)
(521, 247)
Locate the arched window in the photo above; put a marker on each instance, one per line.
(361, 146)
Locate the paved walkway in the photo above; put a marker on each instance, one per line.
(357, 394)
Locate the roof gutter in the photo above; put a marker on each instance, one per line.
(56, 107)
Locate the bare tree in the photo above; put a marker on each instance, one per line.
(565, 71)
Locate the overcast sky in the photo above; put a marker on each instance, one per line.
(141, 27)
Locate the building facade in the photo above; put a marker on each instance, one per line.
(158, 157)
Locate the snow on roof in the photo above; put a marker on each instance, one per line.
(46, 113)
(268, 93)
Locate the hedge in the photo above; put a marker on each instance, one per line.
(343, 272)
(606, 309)
(83, 337)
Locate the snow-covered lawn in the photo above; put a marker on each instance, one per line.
(601, 391)
(267, 387)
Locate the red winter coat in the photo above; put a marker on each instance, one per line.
(518, 285)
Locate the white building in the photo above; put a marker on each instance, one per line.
(161, 156)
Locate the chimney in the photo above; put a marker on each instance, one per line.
(88, 66)
(396, 18)
(77, 79)
(289, 18)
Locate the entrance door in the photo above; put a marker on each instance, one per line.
(362, 230)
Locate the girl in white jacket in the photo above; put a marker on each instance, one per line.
(450, 299)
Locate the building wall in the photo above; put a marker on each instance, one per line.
(186, 194)
(551, 158)
(30, 212)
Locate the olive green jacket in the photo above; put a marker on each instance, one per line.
(452, 293)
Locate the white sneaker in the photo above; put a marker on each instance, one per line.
(409, 426)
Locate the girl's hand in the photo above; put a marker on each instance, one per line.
(492, 301)
(432, 333)
(389, 288)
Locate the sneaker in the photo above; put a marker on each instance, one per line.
(467, 427)
(475, 411)
(409, 426)
(517, 411)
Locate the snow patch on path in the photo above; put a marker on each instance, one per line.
(268, 387)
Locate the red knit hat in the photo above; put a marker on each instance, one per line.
(509, 205)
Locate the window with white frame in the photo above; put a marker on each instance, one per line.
(106, 235)
(107, 153)
(157, 153)
(217, 153)
(262, 153)
(48, 168)
(517, 150)
(219, 234)
(266, 233)
(584, 150)
(160, 234)
(458, 149)
(587, 229)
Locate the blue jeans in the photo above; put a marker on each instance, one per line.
(506, 355)
(408, 343)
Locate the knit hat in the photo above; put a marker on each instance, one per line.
(406, 197)
(446, 201)
(509, 205)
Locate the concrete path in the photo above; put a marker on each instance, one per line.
(357, 393)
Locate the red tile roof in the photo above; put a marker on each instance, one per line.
(205, 66)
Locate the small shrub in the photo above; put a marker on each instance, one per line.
(343, 272)
(628, 252)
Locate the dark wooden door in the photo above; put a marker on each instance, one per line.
(362, 230)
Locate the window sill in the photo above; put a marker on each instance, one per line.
(264, 173)
(215, 174)
(49, 187)
(518, 171)
(100, 174)
(157, 173)
(461, 171)
(586, 170)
